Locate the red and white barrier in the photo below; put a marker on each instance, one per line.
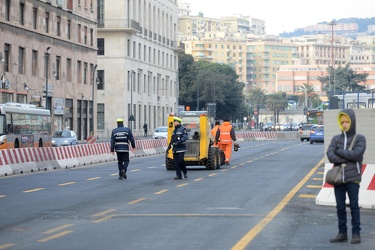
(326, 195)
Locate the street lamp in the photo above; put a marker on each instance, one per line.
(46, 56)
(131, 117)
(92, 100)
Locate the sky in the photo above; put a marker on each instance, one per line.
(285, 15)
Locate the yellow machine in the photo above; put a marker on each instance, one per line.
(200, 150)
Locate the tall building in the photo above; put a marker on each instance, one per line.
(48, 58)
(137, 63)
(264, 60)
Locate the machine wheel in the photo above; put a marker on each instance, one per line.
(211, 162)
(169, 163)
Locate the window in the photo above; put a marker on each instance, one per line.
(58, 26)
(100, 42)
(35, 18)
(69, 69)
(21, 60)
(58, 65)
(7, 48)
(100, 116)
(92, 37)
(34, 63)
(85, 73)
(85, 35)
(68, 29)
(79, 33)
(47, 22)
(7, 10)
(79, 71)
(22, 13)
(100, 84)
(100, 13)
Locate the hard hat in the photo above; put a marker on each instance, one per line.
(120, 120)
(176, 118)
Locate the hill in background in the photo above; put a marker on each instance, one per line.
(361, 22)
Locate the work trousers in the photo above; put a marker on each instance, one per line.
(122, 161)
(179, 163)
(340, 193)
(227, 149)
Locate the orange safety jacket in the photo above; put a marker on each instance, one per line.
(225, 133)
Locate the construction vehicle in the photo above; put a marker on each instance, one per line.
(199, 145)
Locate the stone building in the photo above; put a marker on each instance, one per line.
(137, 63)
(48, 49)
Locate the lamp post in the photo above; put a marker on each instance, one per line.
(332, 23)
(92, 100)
(46, 56)
(131, 117)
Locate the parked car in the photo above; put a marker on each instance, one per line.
(64, 138)
(304, 132)
(317, 134)
(160, 133)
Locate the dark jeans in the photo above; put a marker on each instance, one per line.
(179, 163)
(340, 193)
(122, 161)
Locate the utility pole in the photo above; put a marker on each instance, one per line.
(92, 100)
(46, 55)
(332, 24)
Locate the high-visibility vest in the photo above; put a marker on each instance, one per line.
(225, 129)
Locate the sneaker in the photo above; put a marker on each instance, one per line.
(356, 239)
(339, 238)
(177, 178)
(123, 174)
(227, 163)
(120, 178)
(185, 175)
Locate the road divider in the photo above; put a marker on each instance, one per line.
(326, 195)
(27, 160)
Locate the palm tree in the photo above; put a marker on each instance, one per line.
(257, 98)
(276, 103)
(307, 94)
(348, 80)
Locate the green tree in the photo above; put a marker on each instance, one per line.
(204, 82)
(348, 80)
(308, 95)
(256, 97)
(276, 103)
(342, 79)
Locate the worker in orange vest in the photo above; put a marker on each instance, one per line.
(213, 134)
(225, 135)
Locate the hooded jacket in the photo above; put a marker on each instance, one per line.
(338, 152)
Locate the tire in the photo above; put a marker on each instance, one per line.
(211, 161)
(169, 163)
(311, 142)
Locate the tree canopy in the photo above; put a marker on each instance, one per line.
(202, 83)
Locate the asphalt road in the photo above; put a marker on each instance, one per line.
(264, 200)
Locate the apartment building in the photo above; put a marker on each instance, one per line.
(225, 51)
(137, 63)
(291, 77)
(48, 58)
(264, 60)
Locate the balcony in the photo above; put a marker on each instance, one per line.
(126, 25)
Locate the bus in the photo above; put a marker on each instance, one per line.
(356, 100)
(24, 126)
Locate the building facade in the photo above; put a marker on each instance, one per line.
(48, 58)
(137, 63)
